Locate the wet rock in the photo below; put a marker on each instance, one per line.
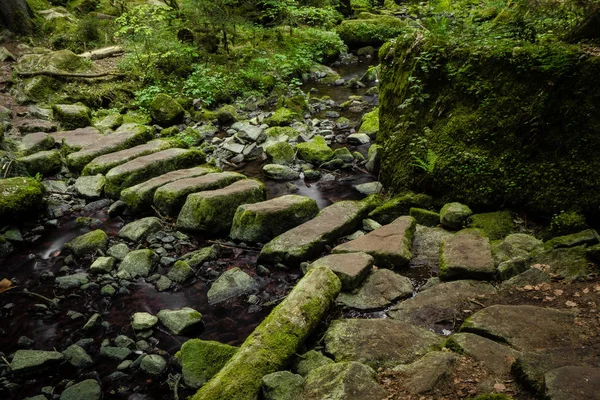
(103, 265)
(569, 382)
(108, 290)
(309, 361)
(153, 364)
(43, 162)
(142, 320)
(374, 158)
(261, 222)
(309, 239)
(378, 342)
(198, 257)
(124, 341)
(282, 385)
(568, 262)
(21, 198)
(231, 283)
(90, 187)
(138, 263)
(249, 132)
(525, 327)
(72, 281)
(454, 215)
(280, 172)
(312, 174)
(180, 321)
(380, 289)
(111, 121)
(88, 390)
(467, 255)
(118, 251)
(315, 152)
(165, 111)
(25, 361)
(169, 198)
(437, 307)
(369, 188)
(280, 153)
(72, 116)
(202, 359)
(343, 154)
(357, 139)
(346, 380)
(88, 243)
(399, 206)
(389, 245)
(493, 356)
(92, 323)
(180, 272)
(115, 353)
(34, 142)
(140, 229)
(425, 374)
(351, 268)
(77, 356)
(163, 283)
(213, 210)
(588, 237)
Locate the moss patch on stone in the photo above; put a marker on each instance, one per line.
(20, 198)
(316, 151)
(202, 359)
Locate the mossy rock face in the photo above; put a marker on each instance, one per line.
(373, 30)
(398, 206)
(72, 116)
(88, 243)
(202, 359)
(316, 151)
(227, 114)
(424, 217)
(281, 153)
(282, 117)
(165, 111)
(543, 141)
(496, 225)
(20, 198)
(43, 162)
(370, 123)
(281, 133)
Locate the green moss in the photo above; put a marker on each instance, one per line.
(88, 244)
(43, 162)
(343, 154)
(496, 225)
(165, 111)
(204, 115)
(371, 30)
(168, 132)
(227, 114)
(202, 359)
(424, 217)
(72, 116)
(370, 123)
(564, 223)
(398, 206)
(282, 117)
(279, 132)
(20, 198)
(316, 151)
(281, 153)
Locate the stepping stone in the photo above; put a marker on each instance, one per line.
(180, 321)
(494, 357)
(389, 245)
(525, 327)
(351, 268)
(43, 162)
(138, 263)
(348, 380)
(140, 229)
(261, 222)
(34, 142)
(213, 210)
(311, 238)
(25, 361)
(532, 366)
(35, 125)
(104, 163)
(425, 374)
(141, 195)
(438, 307)
(169, 199)
(125, 137)
(381, 288)
(378, 342)
(90, 187)
(426, 247)
(231, 283)
(77, 139)
(146, 167)
(467, 255)
(568, 262)
(568, 383)
(141, 321)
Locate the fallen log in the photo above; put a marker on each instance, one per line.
(275, 340)
(106, 52)
(53, 74)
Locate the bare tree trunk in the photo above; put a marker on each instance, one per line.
(16, 16)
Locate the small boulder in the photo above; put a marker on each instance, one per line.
(88, 390)
(165, 111)
(21, 198)
(180, 272)
(231, 283)
(280, 172)
(202, 359)
(103, 265)
(281, 153)
(25, 361)
(88, 244)
(90, 187)
(72, 116)
(357, 139)
(138, 263)
(454, 215)
(142, 321)
(345, 380)
(180, 321)
(140, 229)
(316, 151)
(153, 364)
(72, 281)
(380, 289)
(43, 162)
(282, 385)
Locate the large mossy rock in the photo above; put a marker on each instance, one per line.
(44, 162)
(72, 116)
(370, 30)
(348, 380)
(89, 243)
(165, 111)
(202, 359)
(526, 136)
(19, 197)
(315, 152)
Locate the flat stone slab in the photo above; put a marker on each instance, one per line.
(378, 342)
(525, 327)
(77, 139)
(426, 247)
(438, 307)
(389, 245)
(213, 210)
(89, 390)
(140, 196)
(121, 139)
(308, 240)
(261, 222)
(90, 187)
(467, 255)
(569, 383)
(104, 163)
(35, 142)
(349, 381)
(25, 361)
(351, 268)
(140, 229)
(146, 167)
(532, 366)
(495, 357)
(169, 199)
(425, 374)
(381, 288)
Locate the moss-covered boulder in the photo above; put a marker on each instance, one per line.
(346, 380)
(424, 217)
(496, 225)
(165, 111)
(34, 142)
(20, 198)
(88, 244)
(72, 116)
(454, 215)
(280, 153)
(43, 162)
(227, 114)
(316, 151)
(138, 263)
(261, 222)
(370, 30)
(280, 172)
(282, 385)
(181, 320)
(370, 123)
(398, 206)
(202, 359)
(282, 117)
(511, 122)
(280, 134)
